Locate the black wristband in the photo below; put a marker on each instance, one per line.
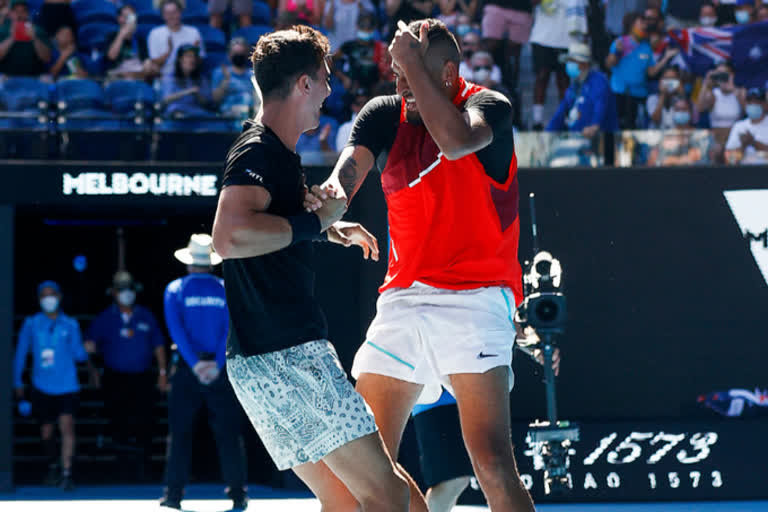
(304, 227)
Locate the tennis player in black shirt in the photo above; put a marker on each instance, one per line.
(285, 373)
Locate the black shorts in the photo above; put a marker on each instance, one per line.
(442, 454)
(545, 57)
(47, 408)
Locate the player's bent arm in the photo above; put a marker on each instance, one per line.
(457, 134)
(350, 170)
(242, 229)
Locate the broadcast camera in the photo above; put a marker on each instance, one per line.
(544, 309)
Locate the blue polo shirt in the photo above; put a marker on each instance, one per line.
(630, 75)
(127, 344)
(197, 318)
(586, 104)
(56, 347)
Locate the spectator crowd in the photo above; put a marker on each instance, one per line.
(614, 63)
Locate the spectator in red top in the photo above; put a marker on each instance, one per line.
(24, 47)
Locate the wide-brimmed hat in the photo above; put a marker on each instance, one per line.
(199, 252)
(123, 280)
(579, 52)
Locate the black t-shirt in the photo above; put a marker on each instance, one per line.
(270, 297)
(376, 128)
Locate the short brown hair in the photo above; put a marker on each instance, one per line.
(282, 56)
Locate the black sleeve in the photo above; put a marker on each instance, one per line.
(496, 109)
(251, 165)
(376, 125)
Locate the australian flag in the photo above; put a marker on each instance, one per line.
(746, 46)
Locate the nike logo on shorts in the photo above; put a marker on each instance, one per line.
(483, 356)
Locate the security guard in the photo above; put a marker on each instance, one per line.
(128, 335)
(197, 320)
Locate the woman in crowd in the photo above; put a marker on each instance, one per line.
(187, 92)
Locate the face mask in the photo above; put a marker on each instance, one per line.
(463, 30)
(742, 17)
(468, 54)
(364, 36)
(670, 84)
(707, 21)
(681, 118)
(572, 69)
(754, 111)
(239, 60)
(481, 74)
(49, 304)
(126, 297)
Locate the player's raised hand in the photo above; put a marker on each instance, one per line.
(352, 233)
(406, 47)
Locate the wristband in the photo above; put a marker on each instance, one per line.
(162, 371)
(304, 227)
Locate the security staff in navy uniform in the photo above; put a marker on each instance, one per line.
(128, 336)
(198, 323)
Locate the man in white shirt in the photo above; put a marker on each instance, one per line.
(748, 140)
(164, 41)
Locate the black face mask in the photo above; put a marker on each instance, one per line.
(239, 60)
(468, 54)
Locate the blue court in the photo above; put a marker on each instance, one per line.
(207, 498)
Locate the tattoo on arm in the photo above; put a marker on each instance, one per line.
(348, 176)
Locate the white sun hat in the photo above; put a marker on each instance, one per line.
(199, 252)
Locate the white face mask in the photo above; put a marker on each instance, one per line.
(49, 304)
(671, 84)
(707, 21)
(481, 75)
(126, 297)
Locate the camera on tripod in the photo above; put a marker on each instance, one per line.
(544, 309)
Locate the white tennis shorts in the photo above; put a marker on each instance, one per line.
(423, 334)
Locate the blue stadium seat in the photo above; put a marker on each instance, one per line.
(214, 60)
(195, 15)
(123, 95)
(18, 94)
(149, 17)
(253, 32)
(95, 35)
(143, 30)
(262, 14)
(79, 95)
(213, 38)
(141, 5)
(92, 11)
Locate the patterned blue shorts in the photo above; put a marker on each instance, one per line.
(300, 402)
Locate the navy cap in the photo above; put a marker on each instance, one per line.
(48, 284)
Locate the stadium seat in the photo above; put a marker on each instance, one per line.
(214, 59)
(141, 5)
(95, 35)
(213, 38)
(124, 95)
(79, 95)
(19, 94)
(195, 15)
(102, 11)
(149, 17)
(143, 30)
(253, 33)
(262, 14)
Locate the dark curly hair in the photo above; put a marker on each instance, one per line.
(281, 57)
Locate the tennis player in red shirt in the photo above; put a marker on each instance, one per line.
(445, 315)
